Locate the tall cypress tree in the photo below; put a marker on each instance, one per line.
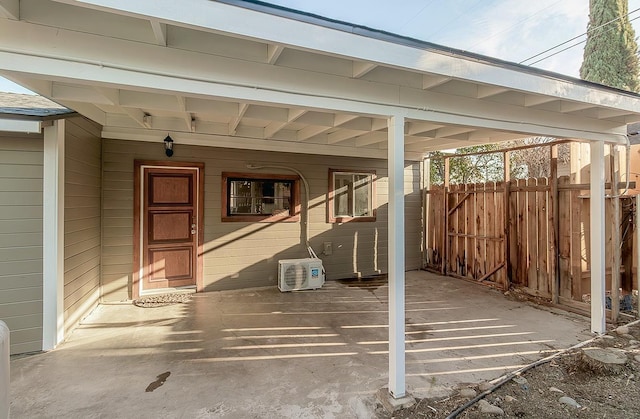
(611, 52)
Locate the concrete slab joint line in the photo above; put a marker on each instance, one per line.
(324, 344)
(391, 404)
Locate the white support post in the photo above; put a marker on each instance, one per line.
(395, 160)
(53, 236)
(598, 320)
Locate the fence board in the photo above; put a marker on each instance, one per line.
(531, 278)
(500, 231)
(470, 228)
(462, 256)
(512, 229)
(576, 245)
(490, 227)
(564, 238)
(543, 202)
(523, 238)
(480, 254)
(481, 219)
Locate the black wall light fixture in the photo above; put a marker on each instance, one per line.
(168, 146)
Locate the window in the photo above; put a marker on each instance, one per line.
(351, 196)
(260, 198)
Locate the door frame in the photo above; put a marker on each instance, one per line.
(138, 208)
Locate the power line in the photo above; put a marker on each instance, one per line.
(571, 46)
(509, 28)
(466, 12)
(574, 38)
(417, 14)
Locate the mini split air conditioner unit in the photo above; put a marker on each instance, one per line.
(300, 274)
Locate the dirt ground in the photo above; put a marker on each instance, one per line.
(598, 392)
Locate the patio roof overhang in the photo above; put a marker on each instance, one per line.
(247, 75)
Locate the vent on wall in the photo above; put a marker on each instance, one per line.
(300, 274)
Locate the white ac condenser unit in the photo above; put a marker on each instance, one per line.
(300, 274)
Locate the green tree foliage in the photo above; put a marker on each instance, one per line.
(531, 162)
(610, 55)
(469, 169)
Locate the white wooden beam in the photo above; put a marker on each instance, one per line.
(149, 100)
(304, 89)
(42, 87)
(535, 100)
(358, 124)
(76, 93)
(137, 115)
(342, 118)
(182, 103)
(378, 124)
(488, 91)
(574, 106)
(371, 138)
(420, 127)
(273, 53)
(431, 81)
(280, 30)
(146, 121)
(53, 236)
(611, 113)
(206, 140)
(266, 113)
(311, 131)
(597, 220)
(159, 32)
(17, 125)
(214, 75)
(233, 125)
(188, 118)
(395, 163)
(449, 131)
(88, 110)
(10, 9)
(361, 68)
(111, 95)
(343, 135)
(275, 126)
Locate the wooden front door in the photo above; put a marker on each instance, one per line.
(169, 225)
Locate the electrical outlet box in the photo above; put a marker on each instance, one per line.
(327, 248)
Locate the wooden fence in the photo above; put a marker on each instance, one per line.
(520, 237)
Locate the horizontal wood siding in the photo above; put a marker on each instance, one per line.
(21, 158)
(239, 254)
(81, 219)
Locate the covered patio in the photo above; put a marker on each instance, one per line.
(261, 353)
(240, 85)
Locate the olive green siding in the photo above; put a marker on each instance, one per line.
(243, 254)
(21, 239)
(82, 235)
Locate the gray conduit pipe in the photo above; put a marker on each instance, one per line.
(306, 199)
(508, 377)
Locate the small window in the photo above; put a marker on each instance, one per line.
(351, 196)
(247, 197)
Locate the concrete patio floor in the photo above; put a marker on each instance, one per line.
(260, 353)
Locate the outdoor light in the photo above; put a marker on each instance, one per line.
(168, 146)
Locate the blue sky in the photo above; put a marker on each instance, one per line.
(512, 30)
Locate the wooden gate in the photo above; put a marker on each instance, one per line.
(475, 240)
(466, 236)
(493, 235)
